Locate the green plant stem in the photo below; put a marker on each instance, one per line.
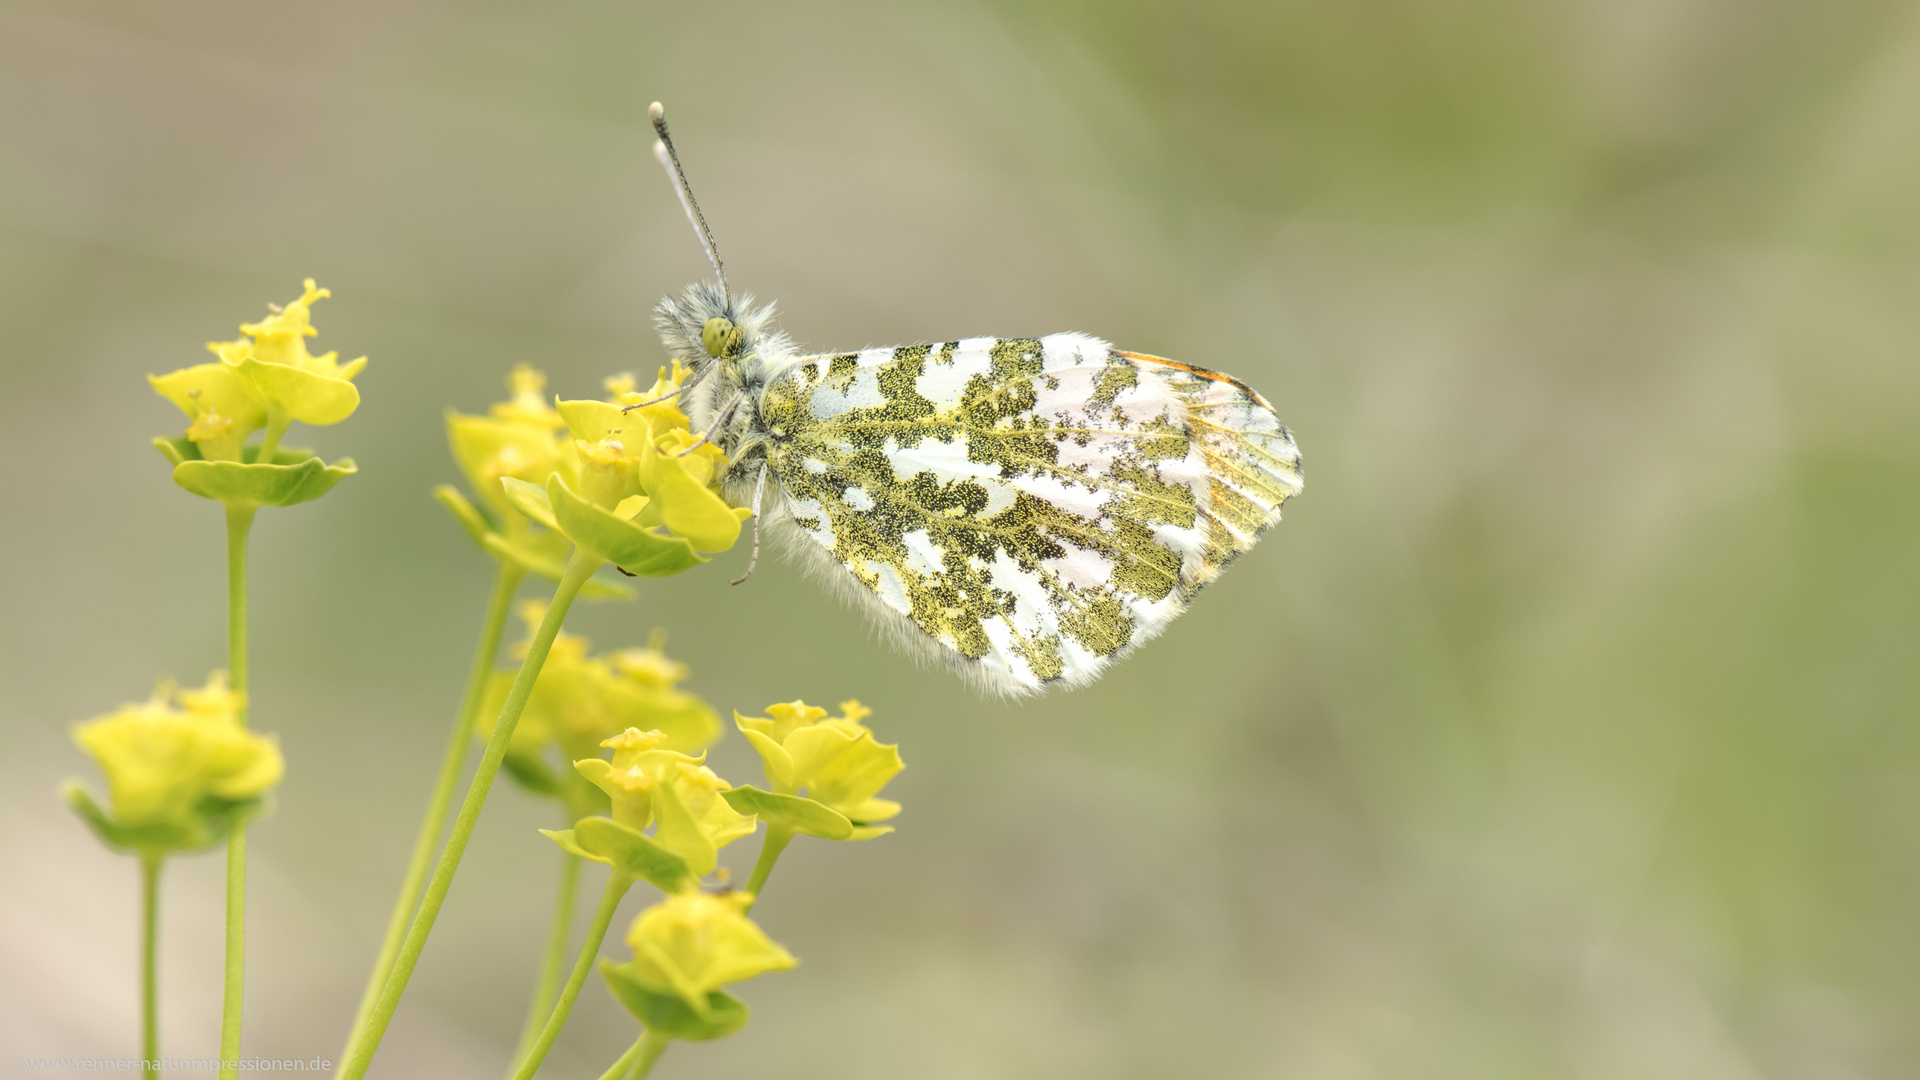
(149, 964)
(639, 1058)
(505, 583)
(549, 979)
(580, 567)
(270, 442)
(652, 1046)
(617, 886)
(236, 966)
(776, 842)
(239, 525)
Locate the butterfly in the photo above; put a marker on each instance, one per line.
(1025, 511)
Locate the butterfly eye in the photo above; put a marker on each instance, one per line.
(719, 336)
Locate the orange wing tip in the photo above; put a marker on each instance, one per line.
(1204, 373)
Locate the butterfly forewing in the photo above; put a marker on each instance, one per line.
(1035, 506)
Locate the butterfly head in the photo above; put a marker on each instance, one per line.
(720, 337)
(704, 325)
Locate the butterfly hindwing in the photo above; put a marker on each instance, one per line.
(1036, 507)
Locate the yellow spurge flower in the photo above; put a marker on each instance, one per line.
(281, 338)
(649, 785)
(700, 461)
(664, 414)
(693, 943)
(631, 777)
(607, 439)
(695, 820)
(609, 471)
(292, 383)
(678, 473)
(267, 380)
(223, 407)
(836, 760)
(581, 699)
(520, 442)
(649, 666)
(518, 438)
(165, 760)
(643, 498)
(527, 401)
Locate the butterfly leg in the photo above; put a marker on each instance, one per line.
(652, 401)
(759, 488)
(690, 382)
(719, 418)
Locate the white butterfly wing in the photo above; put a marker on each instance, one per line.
(1027, 509)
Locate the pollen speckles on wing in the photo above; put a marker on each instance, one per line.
(947, 372)
(1036, 506)
(848, 387)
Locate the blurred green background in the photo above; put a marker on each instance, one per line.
(1565, 728)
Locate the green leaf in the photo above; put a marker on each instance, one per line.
(180, 448)
(282, 455)
(545, 553)
(240, 484)
(533, 774)
(565, 838)
(304, 395)
(792, 812)
(177, 450)
(626, 850)
(531, 500)
(638, 551)
(470, 517)
(541, 553)
(203, 830)
(583, 800)
(668, 1013)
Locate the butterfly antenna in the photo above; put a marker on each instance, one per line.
(670, 161)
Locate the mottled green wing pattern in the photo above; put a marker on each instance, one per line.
(1029, 509)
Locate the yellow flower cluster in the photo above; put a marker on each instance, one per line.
(518, 438)
(692, 942)
(641, 467)
(676, 792)
(582, 698)
(836, 760)
(177, 766)
(264, 379)
(635, 487)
